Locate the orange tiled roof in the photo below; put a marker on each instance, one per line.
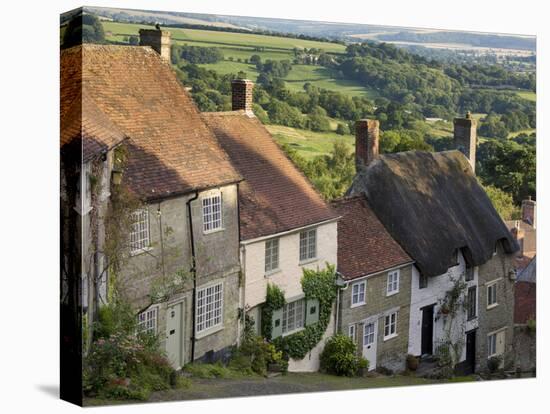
(91, 129)
(171, 150)
(364, 245)
(275, 195)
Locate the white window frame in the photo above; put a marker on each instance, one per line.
(147, 321)
(271, 256)
(212, 212)
(492, 345)
(140, 235)
(209, 308)
(390, 325)
(290, 311)
(469, 307)
(490, 287)
(356, 290)
(352, 333)
(369, 338)
(393, 282)
(308, 245)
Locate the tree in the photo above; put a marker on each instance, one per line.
(255, 59)
(341, 129)
(84, 28)
(503, 203)
(133, 40)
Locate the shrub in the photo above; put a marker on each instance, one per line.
(339, 357)
(201, 370)
(531, 326)
(256, 355)
(493, 364)
(125, 366)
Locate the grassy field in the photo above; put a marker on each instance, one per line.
(523, 131)
(240, 46)
(308, 144)
(529, 95)
(208, 37)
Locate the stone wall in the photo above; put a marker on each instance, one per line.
(500, 317)
(217, 260)
(391, 353)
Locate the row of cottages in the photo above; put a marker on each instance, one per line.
(416, 228)
(222, 211)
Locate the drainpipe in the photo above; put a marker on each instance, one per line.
(342, 286)
(193, 272)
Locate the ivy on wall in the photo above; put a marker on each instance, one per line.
(316, 284)
(275, 299)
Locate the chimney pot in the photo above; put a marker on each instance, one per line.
(465, 137)
(242, 95)
(367, 137)
(159, 40)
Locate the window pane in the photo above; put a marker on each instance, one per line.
(209, 307)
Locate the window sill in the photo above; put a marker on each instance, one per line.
(206, 232)
(292, 332)
(140, 251)
(473, 318)
(387, 338)
(392, 293)
(272, 272)
(307, 261)
(358, 304)
(494, 305)
(209, 331)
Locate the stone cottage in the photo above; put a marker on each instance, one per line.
(375, 276)
(181, 265)
(434, 207)
(285, 225)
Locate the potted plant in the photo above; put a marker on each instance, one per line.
(412, 362)
(445, 310)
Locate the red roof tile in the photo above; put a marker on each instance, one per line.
(275, 195)
(94, 132)
(171, 150)
(364, 245)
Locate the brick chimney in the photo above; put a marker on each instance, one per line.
(241, 95)
(529, 211)
(367, 137)
(465, 138)
(159, 40)
(519, 234)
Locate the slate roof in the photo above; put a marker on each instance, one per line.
(274, 196)
(432, 204)
(364, 245)
(529, 274)
(171, 150)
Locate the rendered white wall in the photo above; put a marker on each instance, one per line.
(290, 271)
(437, 287)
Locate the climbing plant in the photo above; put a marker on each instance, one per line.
(275, 299)
(451, 307)
(320, 285)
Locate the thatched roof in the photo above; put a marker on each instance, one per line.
(432, 204)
